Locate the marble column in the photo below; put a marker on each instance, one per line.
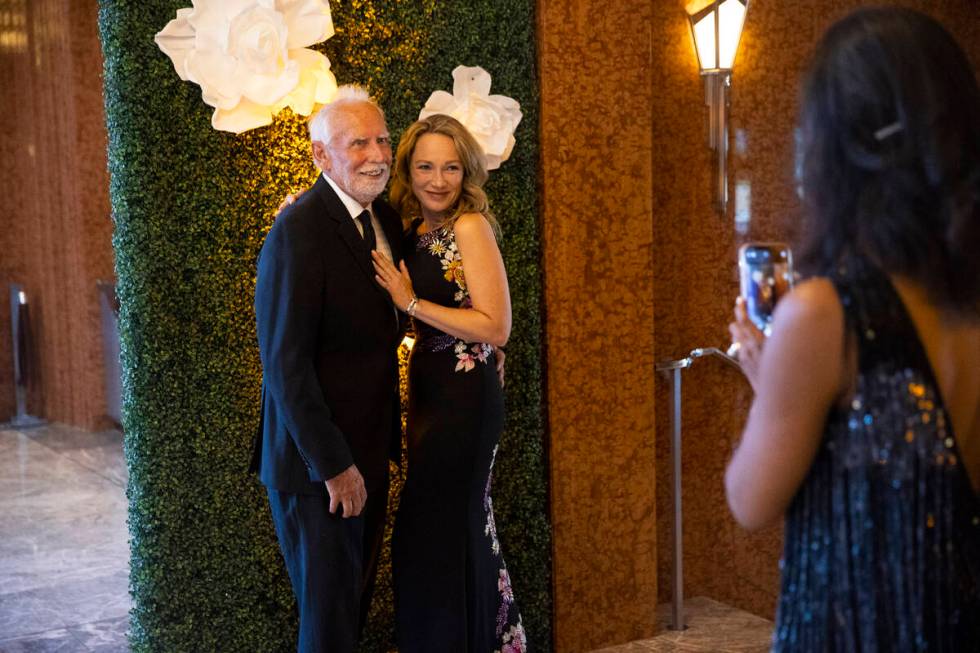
(597, 237)
(55, 230)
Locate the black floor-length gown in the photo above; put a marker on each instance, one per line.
(882, 541)
(452, 590)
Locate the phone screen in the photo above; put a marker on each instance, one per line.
(765, 275)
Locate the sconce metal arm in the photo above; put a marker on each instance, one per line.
(716, 85)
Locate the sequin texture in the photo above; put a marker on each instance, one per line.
(882, 548)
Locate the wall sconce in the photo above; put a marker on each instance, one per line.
(717, 28)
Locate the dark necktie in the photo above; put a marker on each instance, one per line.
(365, 219)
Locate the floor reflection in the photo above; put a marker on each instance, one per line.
(64, 556)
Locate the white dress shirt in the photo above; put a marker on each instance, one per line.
(354, 208)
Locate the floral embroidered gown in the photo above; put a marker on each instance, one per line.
(452, 590)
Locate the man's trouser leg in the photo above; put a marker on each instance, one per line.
(323, 555)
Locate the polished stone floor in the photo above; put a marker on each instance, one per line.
(64, 555)
(712, 627)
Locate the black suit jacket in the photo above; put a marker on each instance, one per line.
(328, 336)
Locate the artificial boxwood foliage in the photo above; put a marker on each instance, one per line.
(191, 208)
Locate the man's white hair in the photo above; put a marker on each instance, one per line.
(322, 122)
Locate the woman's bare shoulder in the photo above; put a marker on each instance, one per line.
(471, 222)
(473, 227)
(812, 303)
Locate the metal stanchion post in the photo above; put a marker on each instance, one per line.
(673, 369)
(20, 330)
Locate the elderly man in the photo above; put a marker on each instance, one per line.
(328, 336)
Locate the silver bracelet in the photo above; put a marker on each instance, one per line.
(412, 306)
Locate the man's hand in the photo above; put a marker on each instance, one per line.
(500, 365)
(347, 490)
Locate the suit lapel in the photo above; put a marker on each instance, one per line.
(346, 229)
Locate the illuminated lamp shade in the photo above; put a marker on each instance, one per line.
(716, 26)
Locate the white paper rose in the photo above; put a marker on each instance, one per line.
(491, 119)
(251, 57)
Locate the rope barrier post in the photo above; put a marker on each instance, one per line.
(673, 369)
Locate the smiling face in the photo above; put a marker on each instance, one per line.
(358, 156)
(437, 175)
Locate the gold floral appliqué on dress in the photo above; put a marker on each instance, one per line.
(444, 247)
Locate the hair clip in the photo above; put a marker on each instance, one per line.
(888, 130)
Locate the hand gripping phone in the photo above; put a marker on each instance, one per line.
(765, 275)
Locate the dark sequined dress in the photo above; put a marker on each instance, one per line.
(452, 590)
(882, 542)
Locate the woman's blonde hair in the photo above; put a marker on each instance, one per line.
(471, 199)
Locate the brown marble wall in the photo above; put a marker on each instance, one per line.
(598, 244)
(54, 228)
(694, 262)
(638, 268)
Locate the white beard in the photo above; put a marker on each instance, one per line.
(364, 188)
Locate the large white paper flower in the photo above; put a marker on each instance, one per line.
(491, 119)
(251, 57)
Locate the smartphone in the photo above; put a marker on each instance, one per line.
(765, 275)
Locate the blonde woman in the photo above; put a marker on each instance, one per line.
(452, 590)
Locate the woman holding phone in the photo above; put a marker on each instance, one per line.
(865, 428)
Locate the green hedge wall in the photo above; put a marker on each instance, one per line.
(191, 208)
